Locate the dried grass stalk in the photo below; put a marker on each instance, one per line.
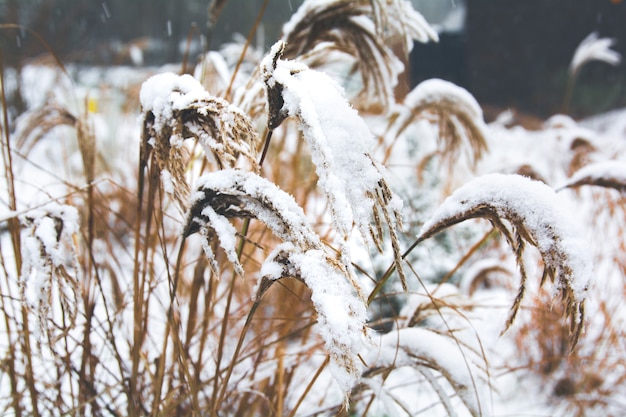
(35, 125)
(534, 216)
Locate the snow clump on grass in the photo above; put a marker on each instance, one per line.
(536, 216)
(176, 108)
(610, 174)
(341, 311)
(49, 259)
(339, 140)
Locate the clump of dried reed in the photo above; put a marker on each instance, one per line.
(152, 321)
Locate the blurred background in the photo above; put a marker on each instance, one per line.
(508, 53)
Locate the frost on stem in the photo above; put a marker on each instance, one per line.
(49, 266)
(339, 141)
(178, 108)
(536, 216)
(362, 30)
(456, 112)
(341, 311)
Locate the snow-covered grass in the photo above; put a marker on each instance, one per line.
(301, 243)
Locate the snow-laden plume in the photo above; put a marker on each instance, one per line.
(49, 266)
(363, 30)
(178, 108)
(339, 141)
(454, 109)
(594, 48)
(536, 216)
(610, 174)
(341, 312)
(335, 294)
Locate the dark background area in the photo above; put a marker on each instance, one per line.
(99, 32)
(510, 53)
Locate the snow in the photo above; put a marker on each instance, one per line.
(444, 348)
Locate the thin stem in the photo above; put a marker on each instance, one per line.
(468, 255)
(309, 386)
(266, 146)
(257, 22)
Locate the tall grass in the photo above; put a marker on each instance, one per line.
(259, 240)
